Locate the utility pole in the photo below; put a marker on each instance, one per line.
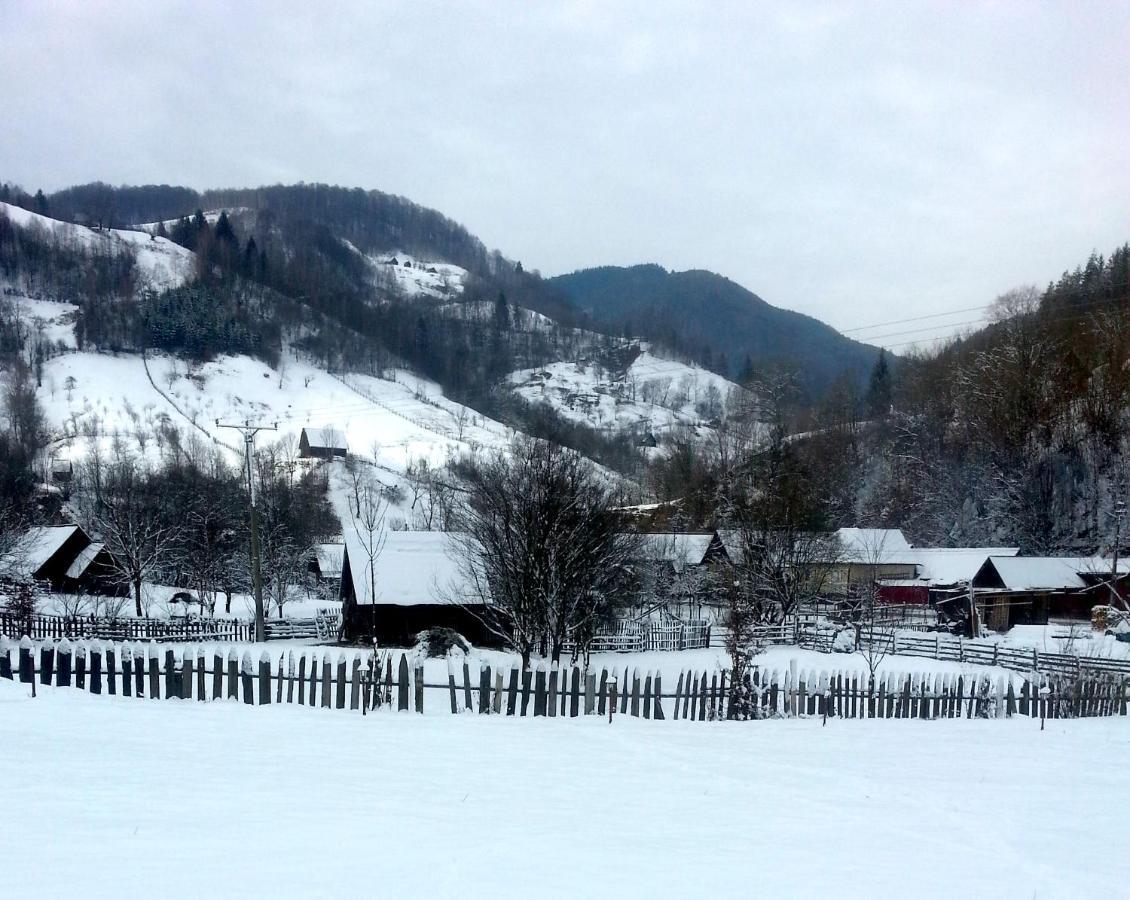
(249, 431)
(1119, 512)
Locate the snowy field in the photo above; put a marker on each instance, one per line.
(222, 800)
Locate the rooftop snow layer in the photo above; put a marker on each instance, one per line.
(413, 568)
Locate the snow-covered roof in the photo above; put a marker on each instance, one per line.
(677, 548)
(874, 546)
(82, 562)
(954, 565)
(41, 544)
(413, 568)
(325, 438)
(330, 558)
(1054, 573)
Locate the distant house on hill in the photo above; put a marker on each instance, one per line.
(65, 558)
(418, 585)
(322, 443)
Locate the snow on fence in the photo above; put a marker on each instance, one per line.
(84, 627)
(391, 681)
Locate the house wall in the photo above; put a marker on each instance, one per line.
(397, 626)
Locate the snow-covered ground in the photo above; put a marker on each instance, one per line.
(161, 263)
(104, 792)
(401, 420)
(57, 320)
(654, 395)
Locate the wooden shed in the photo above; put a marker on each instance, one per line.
(322, 443)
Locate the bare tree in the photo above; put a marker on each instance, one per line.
(119, 504)
(540, 547)
(368, 520)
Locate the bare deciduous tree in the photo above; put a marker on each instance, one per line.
(540, 546)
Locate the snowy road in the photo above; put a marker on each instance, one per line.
(104, 794)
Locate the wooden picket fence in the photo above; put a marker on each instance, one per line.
(50, 627)
(393, 681)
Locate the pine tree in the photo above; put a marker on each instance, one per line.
(501, 313)
(879, 389)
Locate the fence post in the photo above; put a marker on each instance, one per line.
(172, 676)
(451, 687)
(402, 685)
(264, 679)
(647, 695)
(527, 678)
(340, 695)
(246, 677)
(635, 702)
(27, 662)
(590, 693)
(200, 673)
(355, 683)
(233, 675)
(63, 678)
(127, 670)
(574, 693)
(5, 658)
(46, 663)
(188, 657)
(95, 668)
(327, 680)
(539, 691)
(484, 687)
(554, 676)
(419, 675)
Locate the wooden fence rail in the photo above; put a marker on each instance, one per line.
(50, 627)
(393, 681)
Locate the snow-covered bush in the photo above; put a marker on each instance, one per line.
(439, 642)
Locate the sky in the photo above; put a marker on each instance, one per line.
(864, 163)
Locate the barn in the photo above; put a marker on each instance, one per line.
(418, 585)
(65, 558)
(322, 443)
(1031, 590)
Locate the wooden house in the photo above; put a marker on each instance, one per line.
(942, 574)
(322, 443)
(1032, 590)
(416, 583)
(66, 559)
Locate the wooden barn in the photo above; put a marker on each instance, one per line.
(322, 443)
(1032, 590)
(65, 558)
(417, 583)
(942, 574)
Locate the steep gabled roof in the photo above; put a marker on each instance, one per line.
(325, 438)
(677, 548)
(83, 561)
(330, 558)
(413, 568)
(1049, 573)
(41, 544)
(874, 546)
(954, 565)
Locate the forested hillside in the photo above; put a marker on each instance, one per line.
(718, 323)
(1014, 435)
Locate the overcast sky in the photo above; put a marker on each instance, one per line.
(858, 162)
